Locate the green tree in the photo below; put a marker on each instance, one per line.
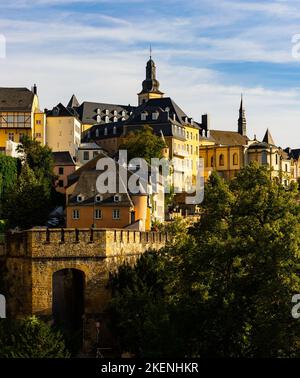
(143, 144)
(30, 338)
(29, 203)
(225, 291)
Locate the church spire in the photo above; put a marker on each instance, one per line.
(150, 84)
(242, 123)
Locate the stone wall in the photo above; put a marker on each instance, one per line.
(33, 256)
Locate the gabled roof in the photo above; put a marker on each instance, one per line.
(268, 138)
(86, 177)
(16, 99)
(61, 111)
(228, 138)
(63, 158)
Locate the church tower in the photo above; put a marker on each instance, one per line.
(150, 84)
(242, 123)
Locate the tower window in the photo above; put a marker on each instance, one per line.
(235, 159)
(75, 214)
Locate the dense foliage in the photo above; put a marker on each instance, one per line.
(8, 175)
(143, 144)
(30, 338)
(32, 196)
(225, 289)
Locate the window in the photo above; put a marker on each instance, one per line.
(155, 116)
(86, 155)
(212, 161)
(106, 111)
(98, 214)
(115, 119)
(114, 130)
(105, 131)
(117, 198)
(264, 158)
(21, 136)
(187, 135)
(98, 119)
(61, 183)
(191, 149)
(75, 214)
(79, 198)
(98, 198)
(286, 167)
(235, 159)
(61, 170)
(123, 113)
(115, 112)
(38, 135)
(276, 158)
(197, 151)
(97, 133)
(107, 119)
(38, 122)
(98, 111)
(221, 160)
(143, 116)
(116, 214)
(11, 136)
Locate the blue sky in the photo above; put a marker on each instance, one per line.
(207, 52)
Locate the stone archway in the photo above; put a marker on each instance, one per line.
(68, 297)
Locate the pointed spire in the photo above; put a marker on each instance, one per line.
(242, 123)
(73, 103)
(268, 138)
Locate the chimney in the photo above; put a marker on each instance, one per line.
(34, 89)
(205, 121)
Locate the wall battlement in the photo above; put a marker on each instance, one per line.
(67, 242)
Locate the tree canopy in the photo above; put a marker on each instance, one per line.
(225, 289)
(30, 338)
(143, 144)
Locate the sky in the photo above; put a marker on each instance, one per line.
(207, 52)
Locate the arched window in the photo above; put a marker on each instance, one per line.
(97, 133)
(212, 161)
(114, 130)
(235, 159)
(98, 118)
(105, 131)
(221, 160)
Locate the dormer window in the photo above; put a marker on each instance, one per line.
(80, 198)
(97, 133)
(98, 198)
(98, 118)
(123, 113)
(115, 119)
(123, 118)
(106, 111)
(98, 111)
(107, 119)
(144, 116)
(114, 130)
(117, 198)
(186, 119)
(105, 131)
(191, 121)
(115, 113)
(155, 116)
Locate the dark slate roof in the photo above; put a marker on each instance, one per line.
(169, 113)
(61, 111)
(16, 99)
(88, 112)
(73, 103)
(293, 153)
(259, 145)
(63, 158)
(228, 138)
(268, 138)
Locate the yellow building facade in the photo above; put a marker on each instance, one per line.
(20, 116)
